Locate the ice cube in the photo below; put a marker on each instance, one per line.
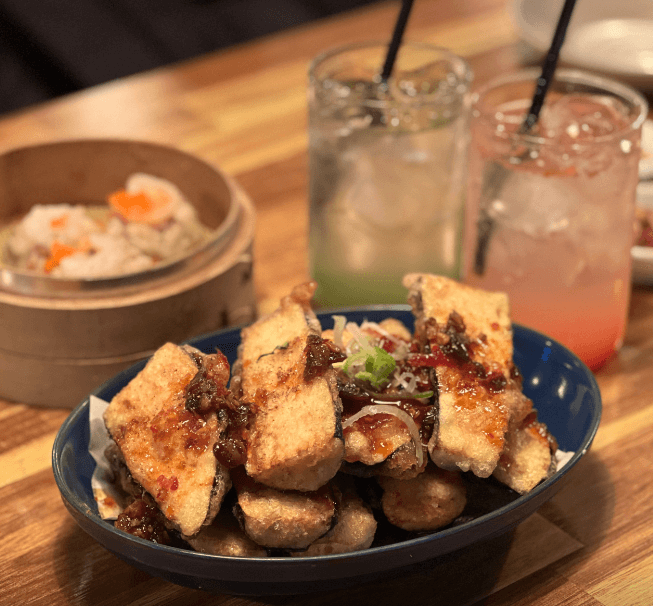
(432, 78)
(533, 203)
(389, 179)
(578, 118)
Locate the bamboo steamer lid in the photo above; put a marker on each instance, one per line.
(60, 339)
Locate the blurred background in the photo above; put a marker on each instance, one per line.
(50, 48)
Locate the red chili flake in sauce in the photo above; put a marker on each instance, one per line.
(171, 483)
(190, 421)
(433, 360)
(385, 343)
(197, 443)
(456, 353)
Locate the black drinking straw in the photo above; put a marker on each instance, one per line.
(549, 66)
(397, 35)
(498, 174)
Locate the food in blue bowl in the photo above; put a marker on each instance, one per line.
(347, 444)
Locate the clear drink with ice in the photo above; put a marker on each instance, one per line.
(387, 171)
(550, 214)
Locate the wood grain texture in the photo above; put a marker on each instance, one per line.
(244, 110)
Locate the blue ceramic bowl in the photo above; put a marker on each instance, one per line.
(561, 386)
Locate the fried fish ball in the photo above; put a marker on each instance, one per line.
(429, 501)
(354, 530)
(225, 537)
(283, 519)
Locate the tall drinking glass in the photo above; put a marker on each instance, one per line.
(387, 170)
(550, 213)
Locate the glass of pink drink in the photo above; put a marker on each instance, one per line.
(549, 216)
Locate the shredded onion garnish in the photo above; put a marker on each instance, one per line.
(403, 416)
(407, 380)
(401, 347)
(362, 341)
(338, 328)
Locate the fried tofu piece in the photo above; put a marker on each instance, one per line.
(468, 333)
(167, 448)
(372, 439)
(383, 445)
(402, 464)
(122, 477)
(528, 456)
(382, 442)
(225, 537)
(295, 438)
(283, 519)
(429, 501)
(353, 531)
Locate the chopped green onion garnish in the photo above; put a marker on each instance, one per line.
(379, 365)
(353, 359)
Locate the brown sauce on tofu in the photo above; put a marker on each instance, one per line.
(453, 349)
(460, 373)
(207, 389)
(371, 426)
(320, 354)
(381, 429)
(207, 393)
(230, 451)
(142, 519)
(231, 448)
(418, 410)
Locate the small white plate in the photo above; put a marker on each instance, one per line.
(614, 38)
(643, 255)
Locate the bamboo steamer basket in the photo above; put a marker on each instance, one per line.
(62, 338)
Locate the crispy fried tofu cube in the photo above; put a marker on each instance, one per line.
(528, 456)
(295, 439)
(168, 449)
(479, 393)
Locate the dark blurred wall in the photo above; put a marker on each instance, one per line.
(52, 47)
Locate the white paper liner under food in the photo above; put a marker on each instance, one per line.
(562, 458)
(109, 497)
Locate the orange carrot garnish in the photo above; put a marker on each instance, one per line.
(59, 222)
(133, 207)
(57, 252)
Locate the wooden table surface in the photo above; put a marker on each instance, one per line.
(245, 110)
